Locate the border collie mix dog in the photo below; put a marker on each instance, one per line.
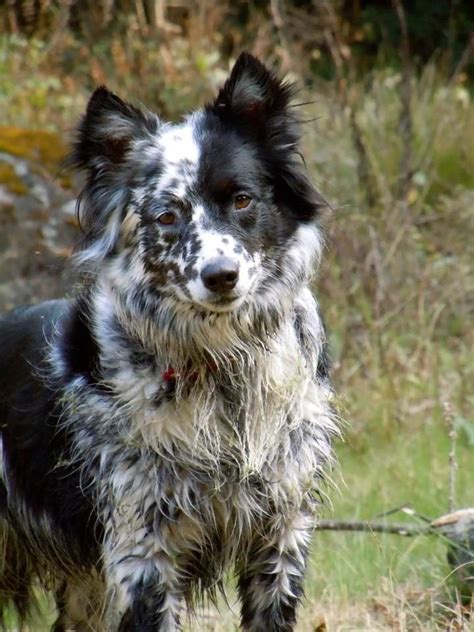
(174, 419)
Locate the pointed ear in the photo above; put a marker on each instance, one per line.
(251, 94)
(256, 102)
(107, 130)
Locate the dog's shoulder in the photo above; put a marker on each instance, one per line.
(35, 450)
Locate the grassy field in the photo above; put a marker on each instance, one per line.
(396, 290)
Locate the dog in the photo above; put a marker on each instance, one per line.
(174, 419)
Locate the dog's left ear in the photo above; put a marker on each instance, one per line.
(254, 101)
(252, 95)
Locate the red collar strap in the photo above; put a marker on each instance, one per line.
(170, 375)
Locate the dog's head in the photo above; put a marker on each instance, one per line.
(214, 212)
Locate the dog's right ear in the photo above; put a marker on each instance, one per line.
(107, 129)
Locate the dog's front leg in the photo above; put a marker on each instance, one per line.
(143, 595)
(143, 583)
(271, 579)
(144, 586)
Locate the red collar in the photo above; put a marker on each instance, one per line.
(170, 375)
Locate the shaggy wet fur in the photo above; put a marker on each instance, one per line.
(173, 420)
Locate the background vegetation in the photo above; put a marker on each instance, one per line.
(389, 139)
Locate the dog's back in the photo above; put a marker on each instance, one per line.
(25, 402)
(24, 334)
(23, 344)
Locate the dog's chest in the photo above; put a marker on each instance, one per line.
(157, 506)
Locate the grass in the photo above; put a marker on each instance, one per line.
(394, 289)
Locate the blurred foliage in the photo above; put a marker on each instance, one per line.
(441, 27)
(294, 29)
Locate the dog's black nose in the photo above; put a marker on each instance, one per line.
(221, 275)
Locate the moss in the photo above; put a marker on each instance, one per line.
(9, 178)
(45, 148)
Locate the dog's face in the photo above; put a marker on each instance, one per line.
(206, 211)
(205, 215)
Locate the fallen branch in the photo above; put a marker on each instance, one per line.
(457, 526)
(456, 529)
(408, 529)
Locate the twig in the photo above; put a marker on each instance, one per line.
(408, 510)
(12, 17)
(278, 19)
(409, 529)
(455, 529)
(365, 173)
(364, 167)
(453, 464)
(464, 60)
(405, 121)
(276, 14)
(60, 26)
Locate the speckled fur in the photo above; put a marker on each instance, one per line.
(196, 428)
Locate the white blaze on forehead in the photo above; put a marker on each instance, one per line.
(214, 245)
(179, 148)
(178, 144)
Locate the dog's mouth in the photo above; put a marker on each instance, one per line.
(227, 303)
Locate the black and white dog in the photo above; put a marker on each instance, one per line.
(174, 419)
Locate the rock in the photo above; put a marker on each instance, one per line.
(37, 219)
(459, 528)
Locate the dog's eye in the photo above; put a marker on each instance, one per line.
(167, 218)
(242, 201)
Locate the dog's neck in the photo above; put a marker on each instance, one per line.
(219, 406)
(178, 336)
